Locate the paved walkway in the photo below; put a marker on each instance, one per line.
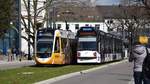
(13, 62)
(5, 64)
(114, 73)
(4, 59)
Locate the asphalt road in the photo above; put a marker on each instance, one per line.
(114, 74)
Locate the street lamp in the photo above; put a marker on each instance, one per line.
(13, 27)
(29, 19)
(67, 13)
(16, 39)
(16, 31)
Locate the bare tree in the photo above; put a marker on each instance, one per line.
(146, 4)
(39, 15)
(35, 17)
(5, 15)
(130, 22)
(124, 2)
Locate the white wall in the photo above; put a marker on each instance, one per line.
(103, 26)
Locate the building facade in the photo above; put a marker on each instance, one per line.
(12, 38)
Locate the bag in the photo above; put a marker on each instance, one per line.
(146, 65)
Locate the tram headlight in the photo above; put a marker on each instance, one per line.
(78, 54)
(94, 54)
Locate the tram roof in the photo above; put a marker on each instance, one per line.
(87, 28)
(46, 32)
(46, 29)
(65, 34)
(113, 36)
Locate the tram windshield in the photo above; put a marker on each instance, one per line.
(44, 49)
(87, 45)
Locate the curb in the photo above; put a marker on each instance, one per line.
(132, 81)
(52, 80)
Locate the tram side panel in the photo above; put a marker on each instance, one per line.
(66, 49)
(109, 47)
(69, 50)
(74, 51)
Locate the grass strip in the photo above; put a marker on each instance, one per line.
(28, 75)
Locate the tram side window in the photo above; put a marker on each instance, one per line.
(102, 43)
(117, 46)
(109, 45)
(105, 46)
(63, 43)
(113, 45)
(57, 45)
(105, 40)
(120, 46)
(108, 48)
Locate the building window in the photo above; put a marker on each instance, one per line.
(76, 26)
(110, 21)
(58, 26)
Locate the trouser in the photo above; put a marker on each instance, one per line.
(146, 80)
(138, 77)
(14, 57)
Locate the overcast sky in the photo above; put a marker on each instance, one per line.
(108, 2)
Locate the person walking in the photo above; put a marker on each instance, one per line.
(9, 54)
(14, 53)
(138, 54)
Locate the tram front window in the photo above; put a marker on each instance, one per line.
(87, 46)
(44, 50)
